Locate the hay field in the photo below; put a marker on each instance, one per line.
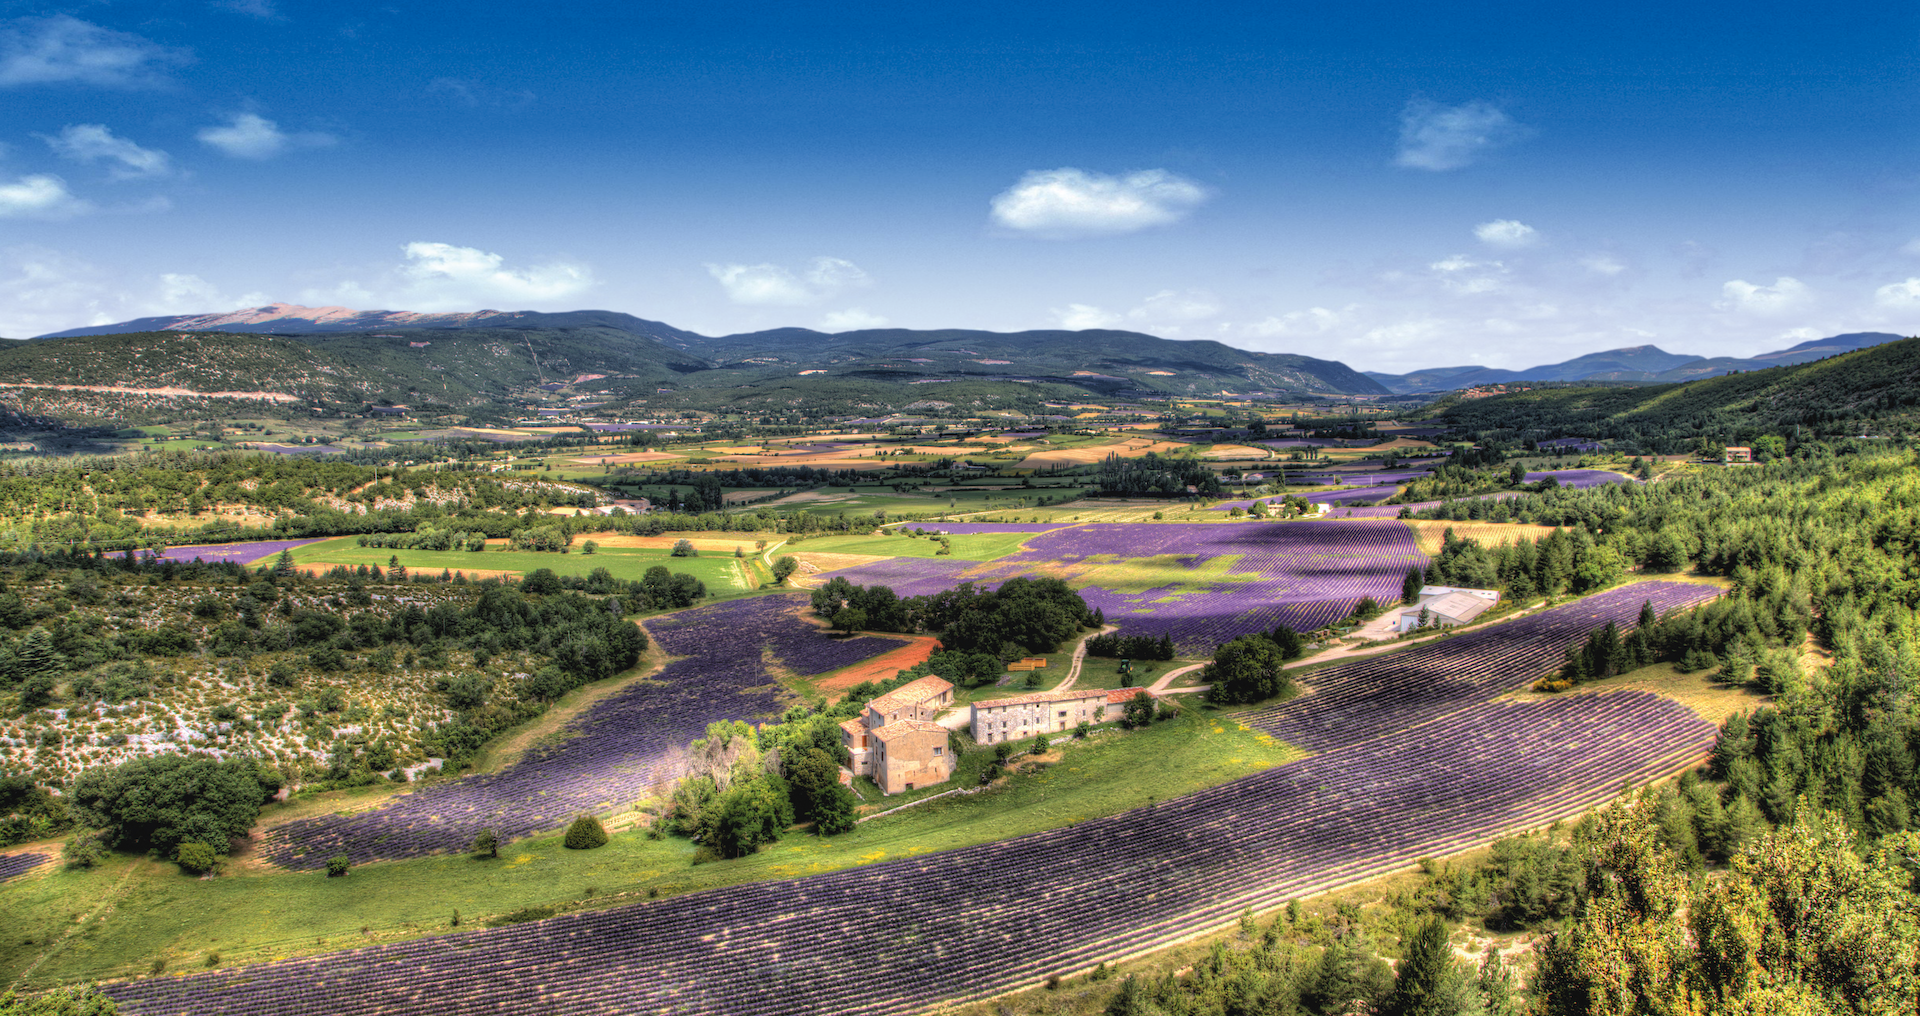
(1132, 447)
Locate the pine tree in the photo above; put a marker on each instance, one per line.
(1426, 985)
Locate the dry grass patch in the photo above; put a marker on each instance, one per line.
(1430, 534)
(627, 457)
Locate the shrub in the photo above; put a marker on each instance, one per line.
(1041, 745)
(485, 846)
(586, 833)
(194, 858)
(83, 851)
(684, 548)
(337, 865)
(1082, 730)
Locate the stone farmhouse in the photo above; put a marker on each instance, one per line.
(895, 740)
(1045, 712)
(1446, 607)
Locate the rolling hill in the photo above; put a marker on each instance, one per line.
(1870, 390)
(1634, 363)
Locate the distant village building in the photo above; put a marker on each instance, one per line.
(1738, 453)
(1446, 607)
(895, 740)
(388, 410)
(1042, 712)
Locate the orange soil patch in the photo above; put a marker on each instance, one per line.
(1405, 442)
(884, 666)
(628, 457)
(551, 430)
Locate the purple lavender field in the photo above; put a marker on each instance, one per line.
(1302, 574)
(242, 553)
(617, 751)
(15, 865)
(1451, 771)
(1309, 574)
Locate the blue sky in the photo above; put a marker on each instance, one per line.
(1398, 186)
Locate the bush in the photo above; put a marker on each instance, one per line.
(83, 851)
(485, 846)
(1041, 745)
(337, 865)
(73, 1000)
(194, 858)
(1081, 730)
(683, 548)
(586, 833)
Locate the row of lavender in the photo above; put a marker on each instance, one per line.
(15, 865)
(899, 937)
(1374, 697)
(617, 751)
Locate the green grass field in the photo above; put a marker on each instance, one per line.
(155, 912)
(722, 573)
(966, 547)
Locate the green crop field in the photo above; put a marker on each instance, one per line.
(721, 573)
(157, 913)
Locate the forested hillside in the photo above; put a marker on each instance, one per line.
(1874, 391)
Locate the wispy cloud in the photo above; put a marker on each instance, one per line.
(1786, 294)
(1510, 233)
(476, 94)
(1067, 202)
(774, 285)
(64, 49)
(40, 196)
(92, 142)
(252, 136)
(1439, 138)
(852, 319)
(262, 9)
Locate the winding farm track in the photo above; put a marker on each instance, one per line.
(1388, 787)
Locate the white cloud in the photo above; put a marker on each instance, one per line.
(181, 293)
(92, 142)
(1506, 233)
(1898, 295)
(440, 277)
(1911, 247)
(40, 196)
(252, 136)
(1077, 316)
(469, 271)
(57, 49)
(852, 319)
(1068, 202)
(1439, 138)
(773, 285)
(1602, 264)
(1784, 295)
(45, 291)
